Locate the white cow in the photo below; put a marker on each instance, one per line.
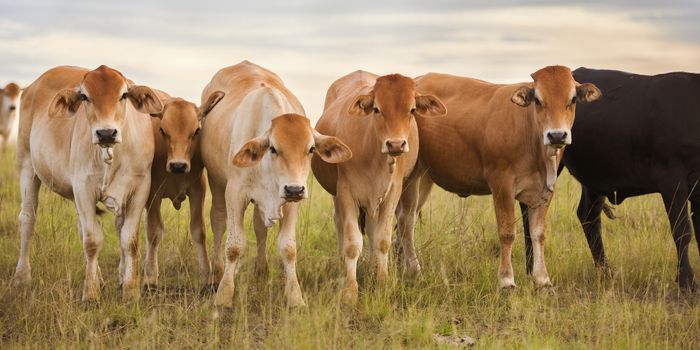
(87, 136)
(257, 147)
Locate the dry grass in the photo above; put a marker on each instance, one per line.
(638, 307)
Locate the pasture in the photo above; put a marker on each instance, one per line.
(639, 306)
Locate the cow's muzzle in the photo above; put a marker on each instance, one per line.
(178, 167)
(395, 147)
(558, 138)
(294, 193)
(106, 137)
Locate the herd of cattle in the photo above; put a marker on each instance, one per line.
(378, 148)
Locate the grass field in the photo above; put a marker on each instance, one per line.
(640, 306)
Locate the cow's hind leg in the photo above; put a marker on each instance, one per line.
(412, 200)
(676, 202)
(29, 185)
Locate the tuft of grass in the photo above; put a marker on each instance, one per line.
(639, 306)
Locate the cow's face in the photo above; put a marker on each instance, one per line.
(104, 93)
(393, 102)
(554, 95)
(179, 127)
(8, 105)
(285, 152)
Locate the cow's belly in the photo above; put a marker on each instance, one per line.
(51, 164)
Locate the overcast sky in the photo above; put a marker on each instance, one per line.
(178, 45)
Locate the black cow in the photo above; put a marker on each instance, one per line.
(641, 137)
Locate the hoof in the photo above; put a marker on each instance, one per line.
(149, 288)
(208, 289)
(350, 295)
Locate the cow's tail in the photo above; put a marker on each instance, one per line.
(609, 211)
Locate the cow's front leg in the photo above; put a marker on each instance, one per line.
(504, 204)
(217, 218)
(129, 240)
(198, 230)
(351, 242)
(537, 218)
(287, 248)
(92, 237)
(154, 234)
(379, 233)
(235, 244)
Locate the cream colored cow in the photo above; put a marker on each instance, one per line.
(9, 96)
(257, 147)
(87, 136)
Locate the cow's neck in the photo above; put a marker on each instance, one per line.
(547, 158)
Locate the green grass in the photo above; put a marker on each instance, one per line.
(640, 306)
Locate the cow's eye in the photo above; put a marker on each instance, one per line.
(273, 150)
(376, 110)
(162, 132)
(573, 100)
(196, 132)
(413, 110)
(124, 96)
(312, 149)
(83, 97)
(538, 102)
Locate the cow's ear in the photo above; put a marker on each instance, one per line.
(587, 92)
(331, 149)
(429, 106)
(362, 105)
(65, 103)
(212, 101)
(252, 152)
(523, 96)
(144, 99)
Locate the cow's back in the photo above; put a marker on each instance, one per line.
(642, 127)
(237, 82)
(482, 133)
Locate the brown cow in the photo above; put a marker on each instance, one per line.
(505, 140)
(177, 173)
(374, 116)
(9, 96)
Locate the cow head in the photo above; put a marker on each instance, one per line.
(104, 93)
(392, 103)
(289, 144)
(554, 94)
(9, 97)
(179, 127)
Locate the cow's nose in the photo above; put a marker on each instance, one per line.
(396, 147)
(557, 138)
(178, 167)
(294, 192)
(106, 136)
(12, 108)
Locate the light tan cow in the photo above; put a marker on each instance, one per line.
(257, 147)
(504, 140)
(177, 173)
(9, 96)
(87, 136)
(374, 116)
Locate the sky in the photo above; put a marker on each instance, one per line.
(177, 45)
